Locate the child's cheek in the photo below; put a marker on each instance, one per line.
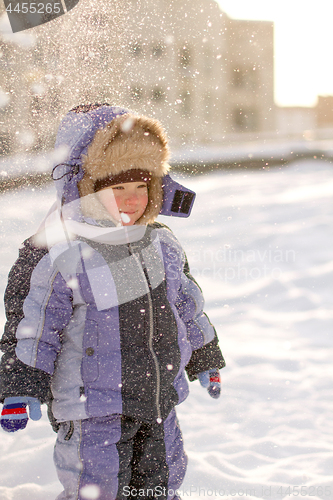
(145, 201)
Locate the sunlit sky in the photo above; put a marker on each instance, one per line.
(303, 45)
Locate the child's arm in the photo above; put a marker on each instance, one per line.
(38, 306)
(206, 354)
(17, 378)
(206, 359)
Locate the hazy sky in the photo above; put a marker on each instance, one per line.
(303, 45)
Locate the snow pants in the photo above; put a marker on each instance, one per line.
(119, 457)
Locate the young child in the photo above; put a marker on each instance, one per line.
(103, 317)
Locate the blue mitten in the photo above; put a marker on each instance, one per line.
(212, 380)
(14, 414)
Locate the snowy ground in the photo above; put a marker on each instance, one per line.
(260, 245)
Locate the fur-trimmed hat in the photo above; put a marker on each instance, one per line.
(127, 142)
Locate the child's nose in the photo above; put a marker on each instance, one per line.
(131, 198)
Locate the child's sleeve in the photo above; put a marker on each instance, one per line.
(34, 322)
(206, 353)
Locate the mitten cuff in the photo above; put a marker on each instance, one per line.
(207, 357)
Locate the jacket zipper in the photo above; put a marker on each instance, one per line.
(157, 366)
(151, 334)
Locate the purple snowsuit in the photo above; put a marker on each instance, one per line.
(112, 319)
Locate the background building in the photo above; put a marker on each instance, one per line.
(296, 120)
(205, 76)
(250, 82)
(324, 111)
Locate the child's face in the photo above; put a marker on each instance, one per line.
(125, 202)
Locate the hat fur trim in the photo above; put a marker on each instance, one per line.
(128, 141)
